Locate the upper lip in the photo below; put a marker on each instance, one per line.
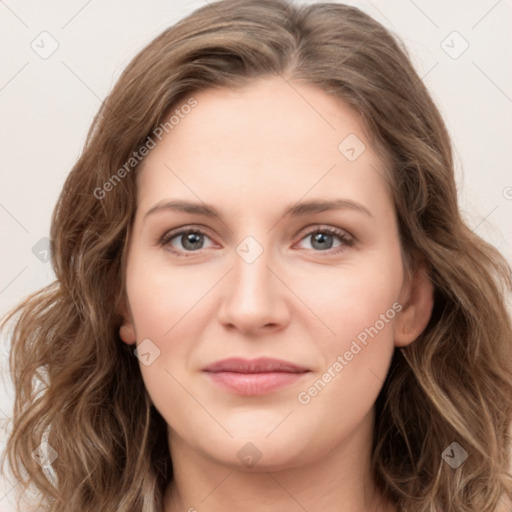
(259, 365)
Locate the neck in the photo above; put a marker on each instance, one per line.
(340, 480)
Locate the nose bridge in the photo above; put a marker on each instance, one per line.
(254, 297)
(251, 267)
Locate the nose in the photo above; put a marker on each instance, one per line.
(255, 298)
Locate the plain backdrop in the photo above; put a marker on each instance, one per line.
(59, 59)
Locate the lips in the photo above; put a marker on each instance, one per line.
(254, 376)
(260, 365)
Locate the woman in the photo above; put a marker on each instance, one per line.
(266, 298)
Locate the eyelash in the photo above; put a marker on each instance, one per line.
(343, 237)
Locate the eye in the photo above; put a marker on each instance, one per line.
(327, 238)
(190, 240)
(184, 240)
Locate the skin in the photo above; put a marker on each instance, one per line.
(250, 153)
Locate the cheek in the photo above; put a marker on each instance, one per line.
(347, 299)
(162, 315)
(161, 294)
(168, 305)
(354, 335)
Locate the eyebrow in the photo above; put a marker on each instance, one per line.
(295, 210)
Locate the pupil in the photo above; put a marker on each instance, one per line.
(191, 240)
(321, 239)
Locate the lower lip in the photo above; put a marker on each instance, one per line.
(254, 383)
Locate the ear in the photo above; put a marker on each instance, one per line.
(417, 299)
(127, 328)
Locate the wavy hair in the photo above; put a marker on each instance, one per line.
(79, 388)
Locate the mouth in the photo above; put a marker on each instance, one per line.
(252, 377)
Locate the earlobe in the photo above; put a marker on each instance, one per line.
(127, 329)
(417, 308)
(127, 333)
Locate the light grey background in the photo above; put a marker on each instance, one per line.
(47, 105)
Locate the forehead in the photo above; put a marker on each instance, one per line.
(271, 140)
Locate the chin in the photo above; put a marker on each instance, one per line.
(261, 452)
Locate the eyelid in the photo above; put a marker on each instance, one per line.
(313, 228)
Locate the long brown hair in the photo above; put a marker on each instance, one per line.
(79, 388)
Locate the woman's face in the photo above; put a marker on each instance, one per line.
(293, 255)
